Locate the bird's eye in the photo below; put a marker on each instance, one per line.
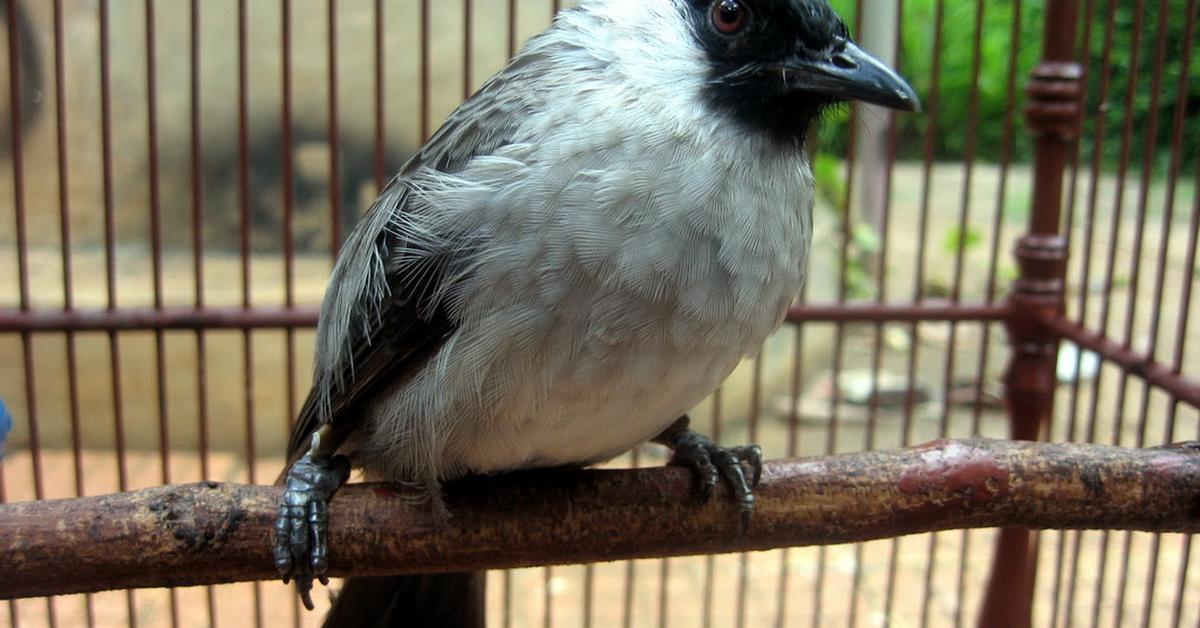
(729, 16)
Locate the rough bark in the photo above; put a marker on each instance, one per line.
(210, 533)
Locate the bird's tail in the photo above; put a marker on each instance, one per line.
(452, 600)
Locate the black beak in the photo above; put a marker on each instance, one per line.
(846, 72)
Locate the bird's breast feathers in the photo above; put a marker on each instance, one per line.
(610, 288)
(609, 266)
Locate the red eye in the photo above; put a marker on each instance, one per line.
(729, 16)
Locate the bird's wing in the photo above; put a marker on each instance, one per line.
(374, 328)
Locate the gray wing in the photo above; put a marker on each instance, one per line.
(373, 326)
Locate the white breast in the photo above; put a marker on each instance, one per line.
(623, 270)
(604, 307)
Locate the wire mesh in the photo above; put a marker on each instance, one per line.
(172, 223)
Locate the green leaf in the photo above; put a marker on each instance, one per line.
(957, 240)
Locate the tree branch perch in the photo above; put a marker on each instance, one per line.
(211, 533)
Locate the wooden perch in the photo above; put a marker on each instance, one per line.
(211, 533)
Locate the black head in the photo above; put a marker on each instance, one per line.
(777, 64)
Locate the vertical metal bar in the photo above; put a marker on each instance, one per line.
(972, 137)
(65, 236)
(18, 157)
(548, 599)
(1053, 117)
(709, 561)
(743, 589)
(468, 49)
(839, 338)
(1185, 290)
(244, 210)
(65, 231)
(110, 240)
(905, 430)
(287, 178)
(334, 138)
(1181, 586)
(423, 116)
(877, 346)
(1065, 537)
(880, 270)
(156, 245)
(630, 566)
(156, 260)
(18, 175)
(512, 27)
(245, 221)
(64, 217)
(380, 113)
(197, 216)
(793, 448)
(1123, 167)
(1100, 117)
(1074, 537)
(506, 594)
(1006, 144)
(1181, 331)
(589, 590)
(926, 195)
(877, 343)
(664, 594)
(287, 165)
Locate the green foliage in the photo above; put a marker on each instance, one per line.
(1000, 36)
(829, 178)
(1120, 61)
(957, 240)
(863, 245)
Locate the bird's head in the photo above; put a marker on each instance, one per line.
(775, 65)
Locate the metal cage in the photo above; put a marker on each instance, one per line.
(181, 174)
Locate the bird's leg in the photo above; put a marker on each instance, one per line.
(710, 462)
(302, 528)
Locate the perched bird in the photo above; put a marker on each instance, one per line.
(586, 248)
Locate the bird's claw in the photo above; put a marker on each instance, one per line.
(710, 462)
(302, 528)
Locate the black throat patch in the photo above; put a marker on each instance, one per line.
(746, 79)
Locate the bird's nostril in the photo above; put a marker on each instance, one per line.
(844, 61)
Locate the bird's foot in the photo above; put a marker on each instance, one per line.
(710, 462)
(302, 529)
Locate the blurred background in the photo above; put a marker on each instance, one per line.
(172, 160)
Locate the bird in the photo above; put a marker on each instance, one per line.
(580, 254)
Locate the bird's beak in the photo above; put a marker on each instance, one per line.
(847, 72)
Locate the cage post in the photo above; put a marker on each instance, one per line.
(1052, 114)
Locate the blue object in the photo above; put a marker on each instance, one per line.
(5, 426)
